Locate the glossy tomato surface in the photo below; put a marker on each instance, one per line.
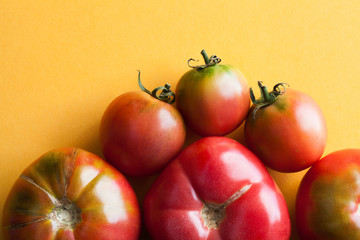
(214, 101)
(70, 194)
(140, 134)
(216, 189)
(289, 135)
(327, 205)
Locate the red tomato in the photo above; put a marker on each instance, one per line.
(328, 203)
(286, 130)
(71, 194)
(216, 189)
(213, 98)
(140, 134)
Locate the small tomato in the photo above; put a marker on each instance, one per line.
(140, 132)
(213, 98)
(285, 129)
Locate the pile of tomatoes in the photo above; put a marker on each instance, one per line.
(215, 188)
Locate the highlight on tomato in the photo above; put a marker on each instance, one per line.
(213, 98)
(327, 204)
(140, 131)
(216, 189)
(285, 128)
(70, 193)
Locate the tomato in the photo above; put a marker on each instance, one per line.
(216, 189)
(327, 204)
(71, 194)
(286, 129)
(139, 133)
(213, 98)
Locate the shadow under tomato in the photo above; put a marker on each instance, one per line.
(141, 186)
(238, 134)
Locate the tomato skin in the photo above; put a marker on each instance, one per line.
(140, 134)
(210, 171)
(327, 204)
(213, 101)
(75, 179)
(289, 135)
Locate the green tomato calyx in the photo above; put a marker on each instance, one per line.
(213, 60)
(166, 95)
(267, 98)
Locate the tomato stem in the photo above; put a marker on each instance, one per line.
(267, 98)
(205, 56)
(212, 61)
(166, 95)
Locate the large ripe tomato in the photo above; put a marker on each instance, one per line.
(286, 129)
(328, 202)
(213, 98)
(216, 189)
(139, 133)
(70, 194)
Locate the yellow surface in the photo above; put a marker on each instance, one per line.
(62, 62)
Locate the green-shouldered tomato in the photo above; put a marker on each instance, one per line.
(286, 129)
(213, 98)
(328, 202)
(71, 194)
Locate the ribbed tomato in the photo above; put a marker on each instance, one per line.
(70, 194)
(216, 189)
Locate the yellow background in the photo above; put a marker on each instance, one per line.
(62, 62)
